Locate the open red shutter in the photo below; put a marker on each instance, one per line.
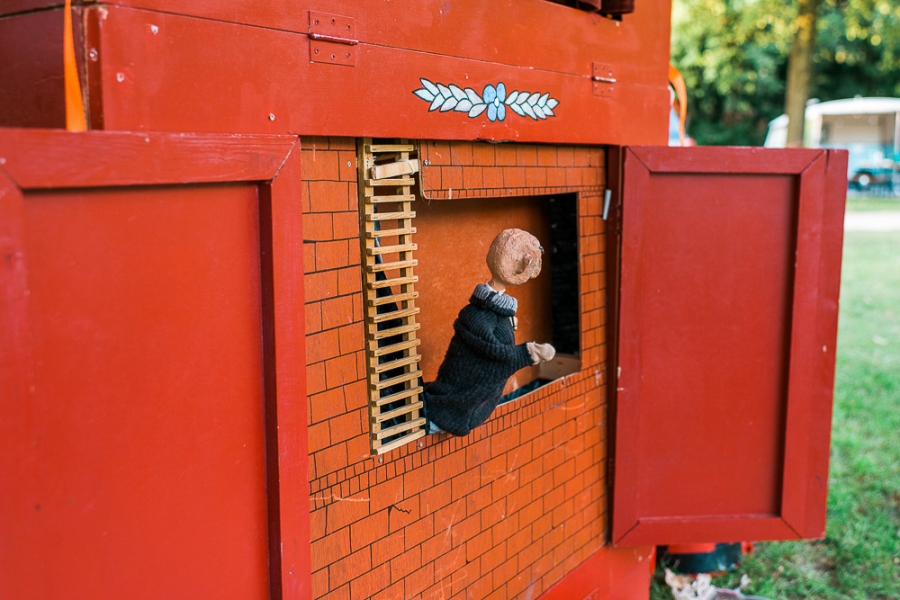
(730, 271)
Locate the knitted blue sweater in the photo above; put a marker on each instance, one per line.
(481, 357)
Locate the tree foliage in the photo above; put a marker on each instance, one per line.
(733, 55)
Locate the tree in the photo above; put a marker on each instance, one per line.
(734, 54)
(800, 70)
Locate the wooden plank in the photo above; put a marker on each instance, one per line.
(397, 314)
(399, 428)
(406, 439)
(391, 216)
(403, 410)
(394, 169)
(380, 148)
(392, 282)
(391, 232)
(384, 350)
(396, 364)
(392, 198)
(390, 182)
(391, 249)
(386, 333)
(393, 298)
(392, 266)
(399, 396)
(385, 383)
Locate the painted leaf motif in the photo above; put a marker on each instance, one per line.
(477, 110)
(494, 100)
(424, 95)
(430, 86)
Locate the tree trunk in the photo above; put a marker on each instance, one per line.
(799, 74)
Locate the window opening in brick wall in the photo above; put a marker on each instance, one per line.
(453, 237)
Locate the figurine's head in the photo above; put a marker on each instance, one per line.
(514, 257)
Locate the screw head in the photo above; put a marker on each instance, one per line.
(271, 116)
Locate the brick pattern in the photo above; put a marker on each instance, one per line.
(481, 170)
(502, 513)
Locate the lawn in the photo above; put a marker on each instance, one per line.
(860, 556)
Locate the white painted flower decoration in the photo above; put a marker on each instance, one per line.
(494, 100)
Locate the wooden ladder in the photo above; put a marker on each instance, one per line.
(392, 360)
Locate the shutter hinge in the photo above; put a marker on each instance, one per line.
(602, 79)
(332, 39)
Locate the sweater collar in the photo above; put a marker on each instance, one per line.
(502, 304)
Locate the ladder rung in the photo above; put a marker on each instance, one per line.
(379, 148)
(391, 232)
(399, 428)
(391, 249)
(386, 383)
(393, 298)
(400, 442)
(397, 314)
(386, 199)
(389, 182)
(391, 266)
(374, 285)
(399, 396)
(396, 347)
(396, 364)
(386, 333)
(391, 216)
(403, 410)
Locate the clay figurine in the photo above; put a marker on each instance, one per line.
(483, 353)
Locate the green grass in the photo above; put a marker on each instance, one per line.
(860, 555)
(870, 203)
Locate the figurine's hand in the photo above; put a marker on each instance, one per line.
(540, 352)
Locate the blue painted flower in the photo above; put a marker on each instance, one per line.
(494, 98)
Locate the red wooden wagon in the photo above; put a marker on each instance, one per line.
(191, 400)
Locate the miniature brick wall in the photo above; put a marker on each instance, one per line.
(502, 513)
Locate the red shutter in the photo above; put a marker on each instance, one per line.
(730, 270)
(151, 424)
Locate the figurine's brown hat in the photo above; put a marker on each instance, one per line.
(514, 257)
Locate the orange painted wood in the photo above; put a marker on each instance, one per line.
(727, 330)
(140, 397)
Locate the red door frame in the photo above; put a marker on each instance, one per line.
(821, 192)
(45, 159)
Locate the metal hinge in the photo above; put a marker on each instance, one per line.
(602, 79)
(332, 39)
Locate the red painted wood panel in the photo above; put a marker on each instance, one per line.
(730, 267)
(169, 72)
(31, 70)
(136, 408)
